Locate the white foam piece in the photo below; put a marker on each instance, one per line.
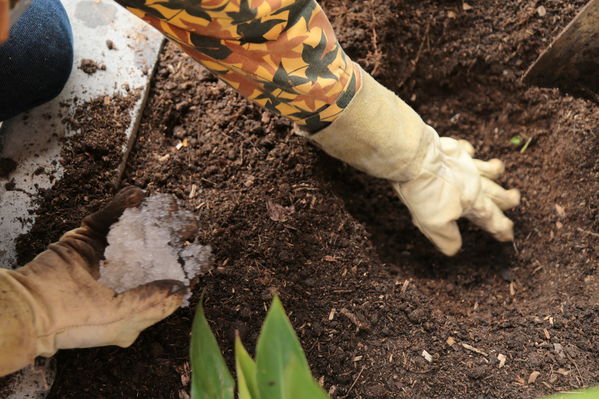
(146, 245)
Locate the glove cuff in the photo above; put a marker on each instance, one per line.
(377, 133)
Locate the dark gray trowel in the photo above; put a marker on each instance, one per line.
(572, 60)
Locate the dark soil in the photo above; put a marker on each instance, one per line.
(90, 162)
(365, 290)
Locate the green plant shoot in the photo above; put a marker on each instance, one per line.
(211, 378)
(591, 393)
(280, 371)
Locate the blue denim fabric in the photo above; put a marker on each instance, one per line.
(36, 61)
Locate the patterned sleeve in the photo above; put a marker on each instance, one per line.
(282, 54)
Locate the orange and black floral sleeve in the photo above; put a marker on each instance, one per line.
(282, 54)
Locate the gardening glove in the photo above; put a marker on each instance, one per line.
(436, 178)
(55, 302)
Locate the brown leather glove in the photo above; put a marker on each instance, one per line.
(55, 302)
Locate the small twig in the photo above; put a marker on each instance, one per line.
(354, 319)
(525, 146)
(587, 232)
(473, 349)
(415, 61)
(354, 383)
(377, 51)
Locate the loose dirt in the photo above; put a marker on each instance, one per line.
(90, 66)
(283, 217)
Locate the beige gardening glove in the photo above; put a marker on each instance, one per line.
(436, 178)
(55, 302)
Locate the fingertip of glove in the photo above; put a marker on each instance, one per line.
(450, 242)
(466, 146)
(450, 251)
(506, 234)
(171, 287)
(129, 196)
(497, 166)
(515, 196)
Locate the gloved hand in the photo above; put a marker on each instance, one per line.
(436, 178)
(55, 302)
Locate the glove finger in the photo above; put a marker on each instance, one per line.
(504, 199)
(436, 219)
(118, 319)
(89, 241)
(450, 146)
(99, 222)
(489, 217)
(446, 237)
(143, 306)
(466, 146)
(490, 169)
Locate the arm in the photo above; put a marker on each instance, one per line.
(283, 54)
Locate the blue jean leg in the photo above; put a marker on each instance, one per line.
(36, 61)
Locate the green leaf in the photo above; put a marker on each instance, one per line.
(516, 141)
(246, 372)
(277, 346)
(210, 378)
(300, 384)
(591, 393)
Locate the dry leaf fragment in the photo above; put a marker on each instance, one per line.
(427, 356)
(450, 341)
(329, 258)
(466, 6)
(501, 357)
(451, 14)
(561, 212)
(563, 372)
(249, 181)
(559, 349)
(332, 314)
(192, 192)
(532, 378)
(364, 326)
(279, 213)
